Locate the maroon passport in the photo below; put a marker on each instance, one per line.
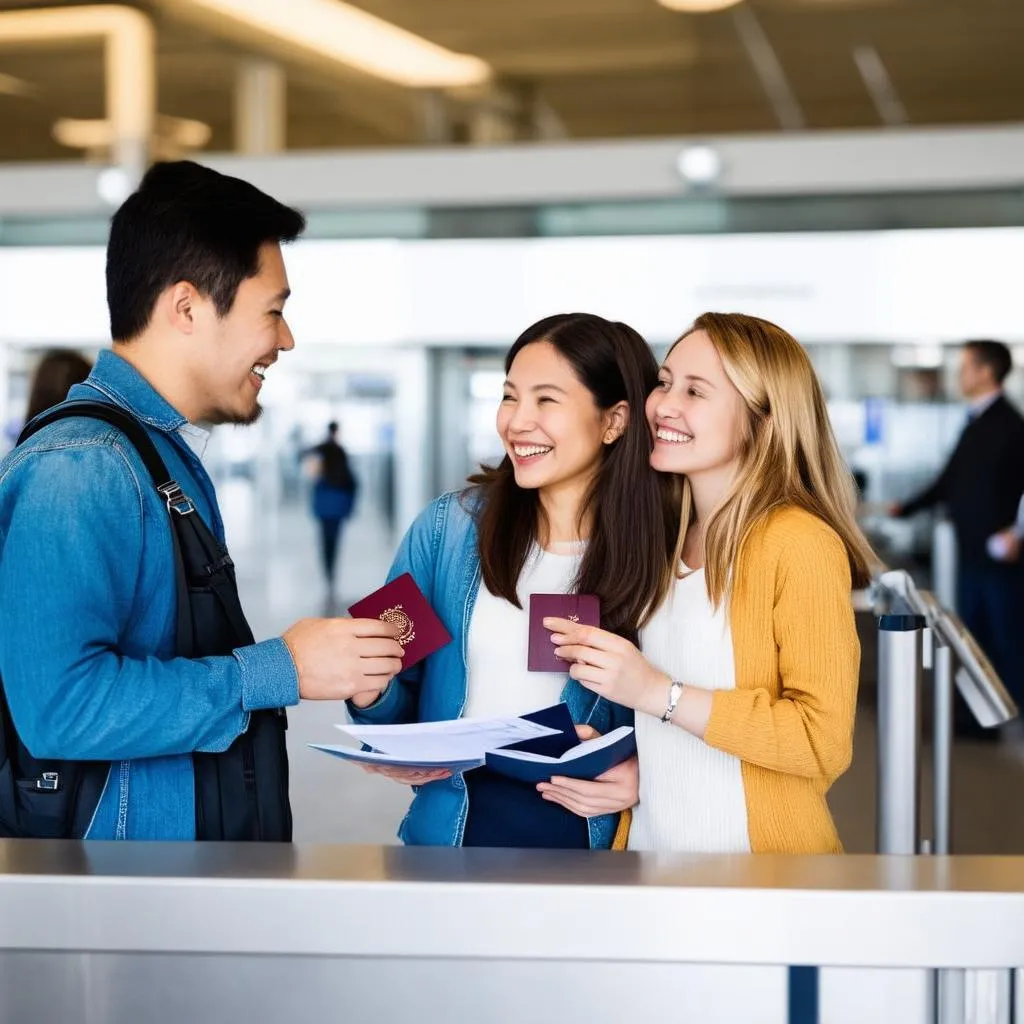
(582, 608)
(401, 602)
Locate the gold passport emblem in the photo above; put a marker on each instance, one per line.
(397, 617)
(574, 618)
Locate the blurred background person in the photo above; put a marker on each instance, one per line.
(56, 373)
(334, 496)
(980, 487)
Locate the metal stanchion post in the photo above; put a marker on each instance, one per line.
(977, 997)
(949, 989)
(899, 701)
(943, 751)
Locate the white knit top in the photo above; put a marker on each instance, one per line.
(691, 795)
(497, 681)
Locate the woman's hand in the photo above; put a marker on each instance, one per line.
(609, 793)
(610, 666)
(407, 776)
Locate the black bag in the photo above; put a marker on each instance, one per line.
(242, 793)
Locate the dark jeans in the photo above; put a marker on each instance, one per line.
(330, 532)
(503, 812)
(990, 599)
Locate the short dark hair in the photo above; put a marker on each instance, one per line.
(635, 516)
(332, 427)
(189, 223)
(993, 354)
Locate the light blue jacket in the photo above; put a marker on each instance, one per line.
(87, 587)
(440, 552)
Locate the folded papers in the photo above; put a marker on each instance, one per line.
(531, 748)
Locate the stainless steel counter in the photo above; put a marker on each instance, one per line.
(470, 934)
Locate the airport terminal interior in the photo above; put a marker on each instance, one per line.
(264, 487)
(850, 169)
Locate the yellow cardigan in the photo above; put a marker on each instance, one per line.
(797, 657)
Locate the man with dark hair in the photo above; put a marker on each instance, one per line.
(89, 656)
(981, 487)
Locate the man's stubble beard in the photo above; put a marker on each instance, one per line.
(248, 421)
(224, 417)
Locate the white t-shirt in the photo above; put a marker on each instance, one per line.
(498, 683)
(691, 795)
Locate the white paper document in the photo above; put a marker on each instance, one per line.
(581, 750)
(395, 761)
(460, 739)
(457, 745)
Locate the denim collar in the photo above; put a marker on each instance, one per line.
(125, 386)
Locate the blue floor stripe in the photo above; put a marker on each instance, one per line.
(803, 995)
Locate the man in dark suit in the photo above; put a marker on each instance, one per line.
(981, 487)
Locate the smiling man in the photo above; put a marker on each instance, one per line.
(91, 655)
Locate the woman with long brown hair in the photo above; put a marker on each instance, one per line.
(57, 371)
(571, 508)
(746, 689)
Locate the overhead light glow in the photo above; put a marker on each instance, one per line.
(351, 36)
(699, 165)
(698, 6)
(113, 186)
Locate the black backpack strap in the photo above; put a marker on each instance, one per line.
(115, 416)
(178, 503)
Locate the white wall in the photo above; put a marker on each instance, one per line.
(909, 286)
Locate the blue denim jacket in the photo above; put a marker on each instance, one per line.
(440, 552)
(87, 588)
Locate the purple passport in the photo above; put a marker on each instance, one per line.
(582, 608)
(401, 602)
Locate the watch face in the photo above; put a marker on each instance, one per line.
(674, 693)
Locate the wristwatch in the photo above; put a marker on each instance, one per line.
(675, 691)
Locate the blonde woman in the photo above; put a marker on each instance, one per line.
(746, 691)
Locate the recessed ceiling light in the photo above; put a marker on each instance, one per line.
(113, 186)
(699, 165)
(698, 6)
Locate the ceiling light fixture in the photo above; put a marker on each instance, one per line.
(699, 165)
(113, 186)
(341, 32)
(698, 6)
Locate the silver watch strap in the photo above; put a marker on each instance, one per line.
(675, 691)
